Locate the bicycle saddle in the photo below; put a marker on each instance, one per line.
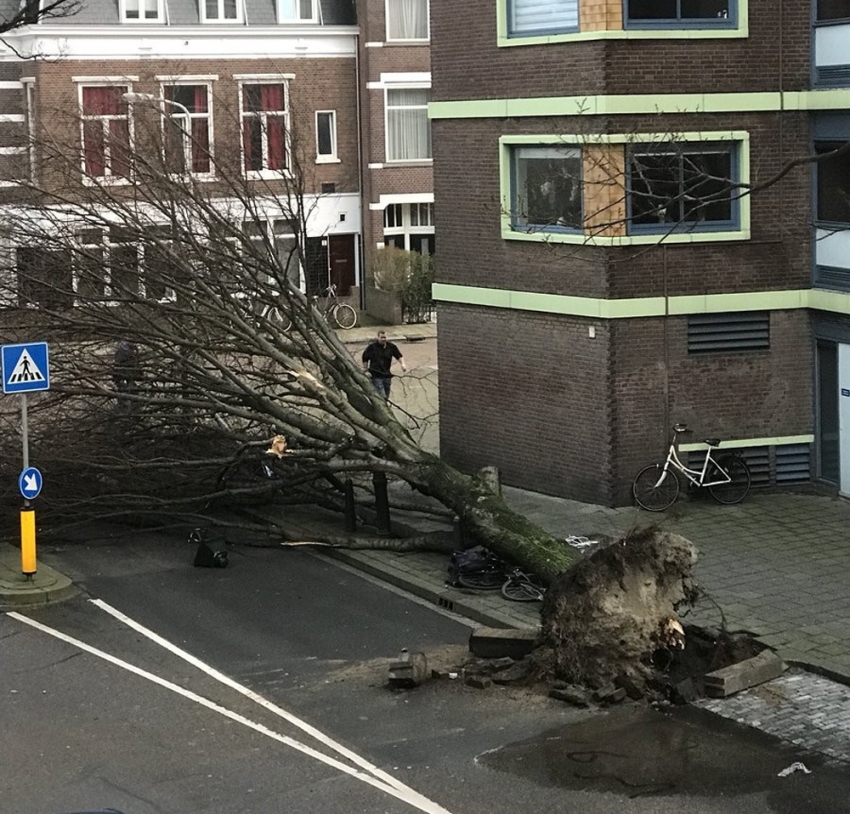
(712, 442)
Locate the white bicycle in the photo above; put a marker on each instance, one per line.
(339, 313)
(727, 477)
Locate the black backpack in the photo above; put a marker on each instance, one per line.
(212, 549)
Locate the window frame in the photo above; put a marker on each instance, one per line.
(404, 227)
(819, 222)
(537, 228)
(265, 173)
(681, 226)
(169, 112)
(313, 19)
(141, 20)
(406, 86)
(512, 33)
(618, 143)
(679, 22)
(222, 20)
(108, 177)
(333, 156)
(819, 21)
(425, 39)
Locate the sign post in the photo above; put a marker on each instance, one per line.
(26, 369)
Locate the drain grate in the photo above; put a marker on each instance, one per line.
(445, 603)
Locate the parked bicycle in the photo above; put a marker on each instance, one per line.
(481, 570)
(520, 586)
(333, 310)
(727, 476)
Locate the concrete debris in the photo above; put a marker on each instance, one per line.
(479, 682)
(409, 671)
(571, 694)
(748, 673)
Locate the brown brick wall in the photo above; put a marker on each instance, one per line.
(749, 394)
(776, 56)
(472, 252)
(528, 393)
(319, 84)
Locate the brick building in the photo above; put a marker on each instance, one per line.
(263, 86)
(603, 270)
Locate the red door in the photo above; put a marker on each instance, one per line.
(341, 252)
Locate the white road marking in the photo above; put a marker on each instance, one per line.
(255, 697)
(396, 790)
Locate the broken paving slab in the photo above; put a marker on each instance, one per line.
(765, 666)
(495, 643)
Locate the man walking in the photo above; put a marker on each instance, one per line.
(377, 360)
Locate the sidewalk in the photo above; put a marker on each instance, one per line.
(17, 590)
(413, 332)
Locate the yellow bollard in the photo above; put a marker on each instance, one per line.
(28, 564)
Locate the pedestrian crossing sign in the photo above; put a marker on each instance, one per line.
(25, 368)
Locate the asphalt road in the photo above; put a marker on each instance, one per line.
(95, 712)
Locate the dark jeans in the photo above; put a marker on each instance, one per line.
(382, 385)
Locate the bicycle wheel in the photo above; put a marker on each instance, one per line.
(345, 316)
(738, 487)
(280, 319)
(654, 489)
(521, 589)
(482, 581)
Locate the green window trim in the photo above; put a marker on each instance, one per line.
(505, 40)
(741, 233)
(835, 302)
(639, 104)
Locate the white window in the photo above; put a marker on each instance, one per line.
(326, 136)
(410, 226)
(265, 128)
(221, 11)
(188, 129)
(296, 11)
(141, 11)
(407, 20)
(529, 17)
(408, 126)
(105, 131)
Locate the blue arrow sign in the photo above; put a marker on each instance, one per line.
(30, 483)
(25, 368)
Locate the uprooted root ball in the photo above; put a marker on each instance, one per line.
(604, 618)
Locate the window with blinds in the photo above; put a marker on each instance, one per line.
(529, 17)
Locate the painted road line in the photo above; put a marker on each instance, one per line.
(410, 797)
(317, 734)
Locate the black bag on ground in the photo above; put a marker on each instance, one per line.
(212, 549)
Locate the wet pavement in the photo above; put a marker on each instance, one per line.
(642, 756)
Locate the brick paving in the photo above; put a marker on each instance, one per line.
(807, 710)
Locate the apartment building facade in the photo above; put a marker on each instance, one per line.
(264, 88)
(633, 234)
(395, 89)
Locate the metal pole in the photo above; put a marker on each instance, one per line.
(28, 555)
(25, 431)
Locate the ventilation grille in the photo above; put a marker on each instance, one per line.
(769, 466)
(713, 333)
(833, 76)
(832, 277)
(793, 463)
